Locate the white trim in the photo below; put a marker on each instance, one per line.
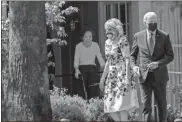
(112, 2)
(101, 17)
(172, 72)
(119, 13)
(111, 10)
(177, 45)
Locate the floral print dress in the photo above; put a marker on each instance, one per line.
(118, 95)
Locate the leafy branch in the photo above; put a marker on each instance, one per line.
(55, 16)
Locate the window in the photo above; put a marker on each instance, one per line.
(109, 10)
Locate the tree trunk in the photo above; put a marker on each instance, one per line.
(28, 88)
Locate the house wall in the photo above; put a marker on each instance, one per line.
(170, 20)
(134, 18)
(143, 7)
(89, 18)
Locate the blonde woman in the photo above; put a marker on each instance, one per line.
(120, 95)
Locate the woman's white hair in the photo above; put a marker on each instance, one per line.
(115, 23)
(147, 15)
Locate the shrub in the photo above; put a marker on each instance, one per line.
(133, 115)
(173, 114)
(95, 110)
(65, 106)
(76, 108)
(104, 117)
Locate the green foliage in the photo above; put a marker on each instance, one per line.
(55, 16)
(93, 109)
(76, 108)
(177, 89)
(173, 114)
(133, 115)
(65, 106)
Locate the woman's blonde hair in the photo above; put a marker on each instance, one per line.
(115, 23)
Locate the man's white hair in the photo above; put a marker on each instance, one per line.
(147, 15)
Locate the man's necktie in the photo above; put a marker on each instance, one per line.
(151, 43)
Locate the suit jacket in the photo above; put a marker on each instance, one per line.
(162, 54)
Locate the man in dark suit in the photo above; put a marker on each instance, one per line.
(152, 47)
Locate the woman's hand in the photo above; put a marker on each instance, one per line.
(104, 76)
(102, 84)
(77, 72)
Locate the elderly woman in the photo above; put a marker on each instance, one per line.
(86, 53)
(120, 95)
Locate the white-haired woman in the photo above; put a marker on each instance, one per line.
(120, 95)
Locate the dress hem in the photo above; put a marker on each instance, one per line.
(129, 109)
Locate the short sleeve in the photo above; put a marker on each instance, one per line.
(125, 47)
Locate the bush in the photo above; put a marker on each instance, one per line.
(76, 108)
(65, 106)
(95, 111)
(173, 114)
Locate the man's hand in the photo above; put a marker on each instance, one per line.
(136, 70)
(152, 65)
(77, 72)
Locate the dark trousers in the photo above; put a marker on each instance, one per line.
(90, 76)
(159, 89)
